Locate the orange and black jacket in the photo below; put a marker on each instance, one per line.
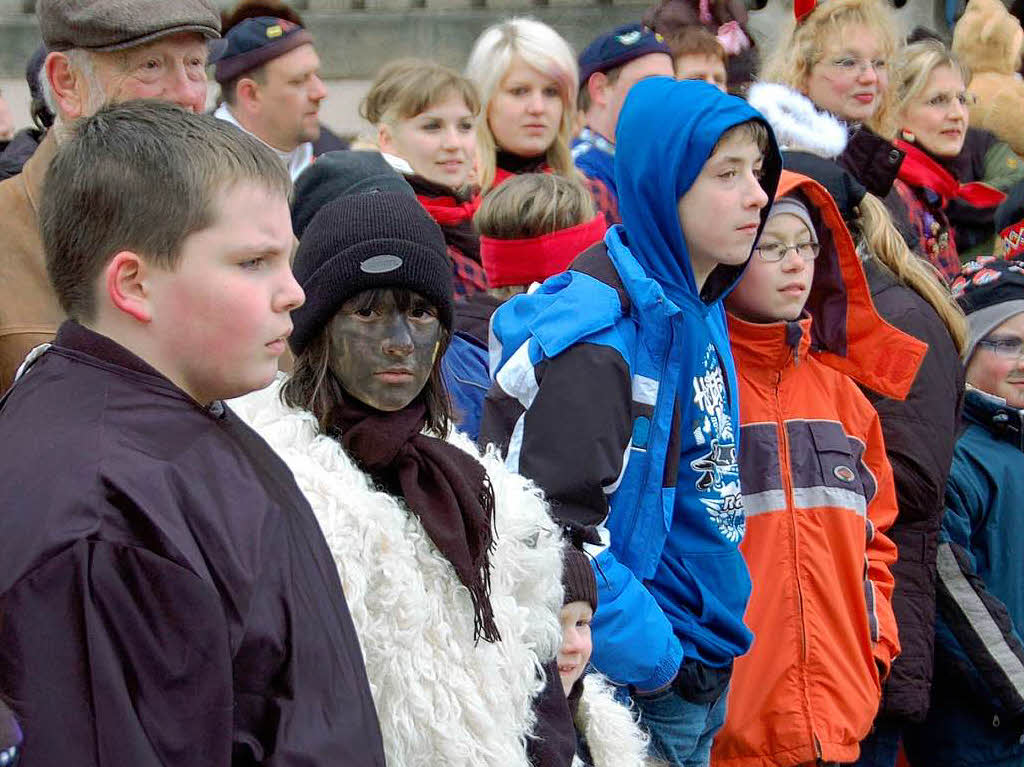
(818, 495)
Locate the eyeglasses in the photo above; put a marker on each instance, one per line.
(945, 100)
(849, 65)
(772, 252)
(1007, 348)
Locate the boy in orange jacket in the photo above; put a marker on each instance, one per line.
(817, 489)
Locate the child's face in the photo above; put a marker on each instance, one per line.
(439, 143)
(773, 291)
(701, 66)
(381, 354)
(720, 214)
(999, 372)
(525, 111)
(574, 654)
(220, 318)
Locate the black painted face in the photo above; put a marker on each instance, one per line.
(382, 351)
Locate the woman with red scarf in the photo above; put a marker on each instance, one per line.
(931, 108)
(425, 116)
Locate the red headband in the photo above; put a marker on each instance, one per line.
(802, 8)
(522, 262)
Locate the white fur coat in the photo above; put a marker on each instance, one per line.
(611, 732)
(441, 700)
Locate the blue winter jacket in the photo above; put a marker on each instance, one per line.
(977, 706)
(623, 401)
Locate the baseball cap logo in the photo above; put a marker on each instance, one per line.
(630, 38)
(274, 30)
(380, 264)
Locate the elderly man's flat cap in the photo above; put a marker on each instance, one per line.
(110, 25)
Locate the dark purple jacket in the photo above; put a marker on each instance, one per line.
(919, 432)
(167, 597)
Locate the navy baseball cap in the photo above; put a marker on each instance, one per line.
(618, 47)
(253, 42)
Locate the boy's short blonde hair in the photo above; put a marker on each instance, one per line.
(532, 205)
(407, 87)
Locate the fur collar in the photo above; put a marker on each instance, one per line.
(611, 731)
(440, 698)
(799, 126)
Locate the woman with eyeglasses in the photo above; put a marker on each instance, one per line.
(818, 490)
(931, 109)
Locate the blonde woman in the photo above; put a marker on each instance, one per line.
(425, 119)
(931, 101)
(527, 78)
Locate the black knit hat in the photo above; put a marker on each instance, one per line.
(339, 173)
(990, 291)
(363, 242)
(578, 578)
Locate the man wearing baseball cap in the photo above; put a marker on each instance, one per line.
(609, 67)
(100, 51)
(976, 716)
(269, 75)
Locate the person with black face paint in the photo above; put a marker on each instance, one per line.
(451, 563)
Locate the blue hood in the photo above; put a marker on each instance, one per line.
(666, 132)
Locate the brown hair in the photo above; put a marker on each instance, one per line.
(532, 205)
(695, 41)
(752, 130)
(888, 247)
(313, 387)
(406, 87)
(801, 47)
(140, 176)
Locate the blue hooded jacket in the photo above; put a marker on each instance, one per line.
(626, 394)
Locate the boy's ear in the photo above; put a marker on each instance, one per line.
(125, 278)
(596, 88)
(384, 139)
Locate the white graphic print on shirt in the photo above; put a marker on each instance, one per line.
(718, 480)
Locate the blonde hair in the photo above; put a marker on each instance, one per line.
(407, 87)
(532, 205)
(915, 66)
(540, 47)
(885, 243)
(802, 46)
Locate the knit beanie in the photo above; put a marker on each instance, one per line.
(578, 578)
(794, 207)
(990, 291)
(335, 174)
(365, 242)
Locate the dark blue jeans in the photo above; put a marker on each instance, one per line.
(882, 745)
(681, 732)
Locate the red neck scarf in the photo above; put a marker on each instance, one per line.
(521, 262)
(920, 170)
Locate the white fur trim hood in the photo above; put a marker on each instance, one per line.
(611, 731)
(441, 700)
(798, 125)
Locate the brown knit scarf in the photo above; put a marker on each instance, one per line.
(445, 487)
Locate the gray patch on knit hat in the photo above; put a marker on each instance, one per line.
(381, 264)
(987, 319)
(794, 207)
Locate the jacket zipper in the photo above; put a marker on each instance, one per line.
(787, 478)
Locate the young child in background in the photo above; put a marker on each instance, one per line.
(607, 733)
(818, 489)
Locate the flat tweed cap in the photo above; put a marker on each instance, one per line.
(111, 25)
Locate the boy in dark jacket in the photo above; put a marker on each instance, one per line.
(167, 595)
(977, 706)
(615, 390)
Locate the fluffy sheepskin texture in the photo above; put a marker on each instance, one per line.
(988, 39)
(612, 733)
(797, 123)
(441, 700)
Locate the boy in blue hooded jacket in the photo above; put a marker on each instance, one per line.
(615, 391)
